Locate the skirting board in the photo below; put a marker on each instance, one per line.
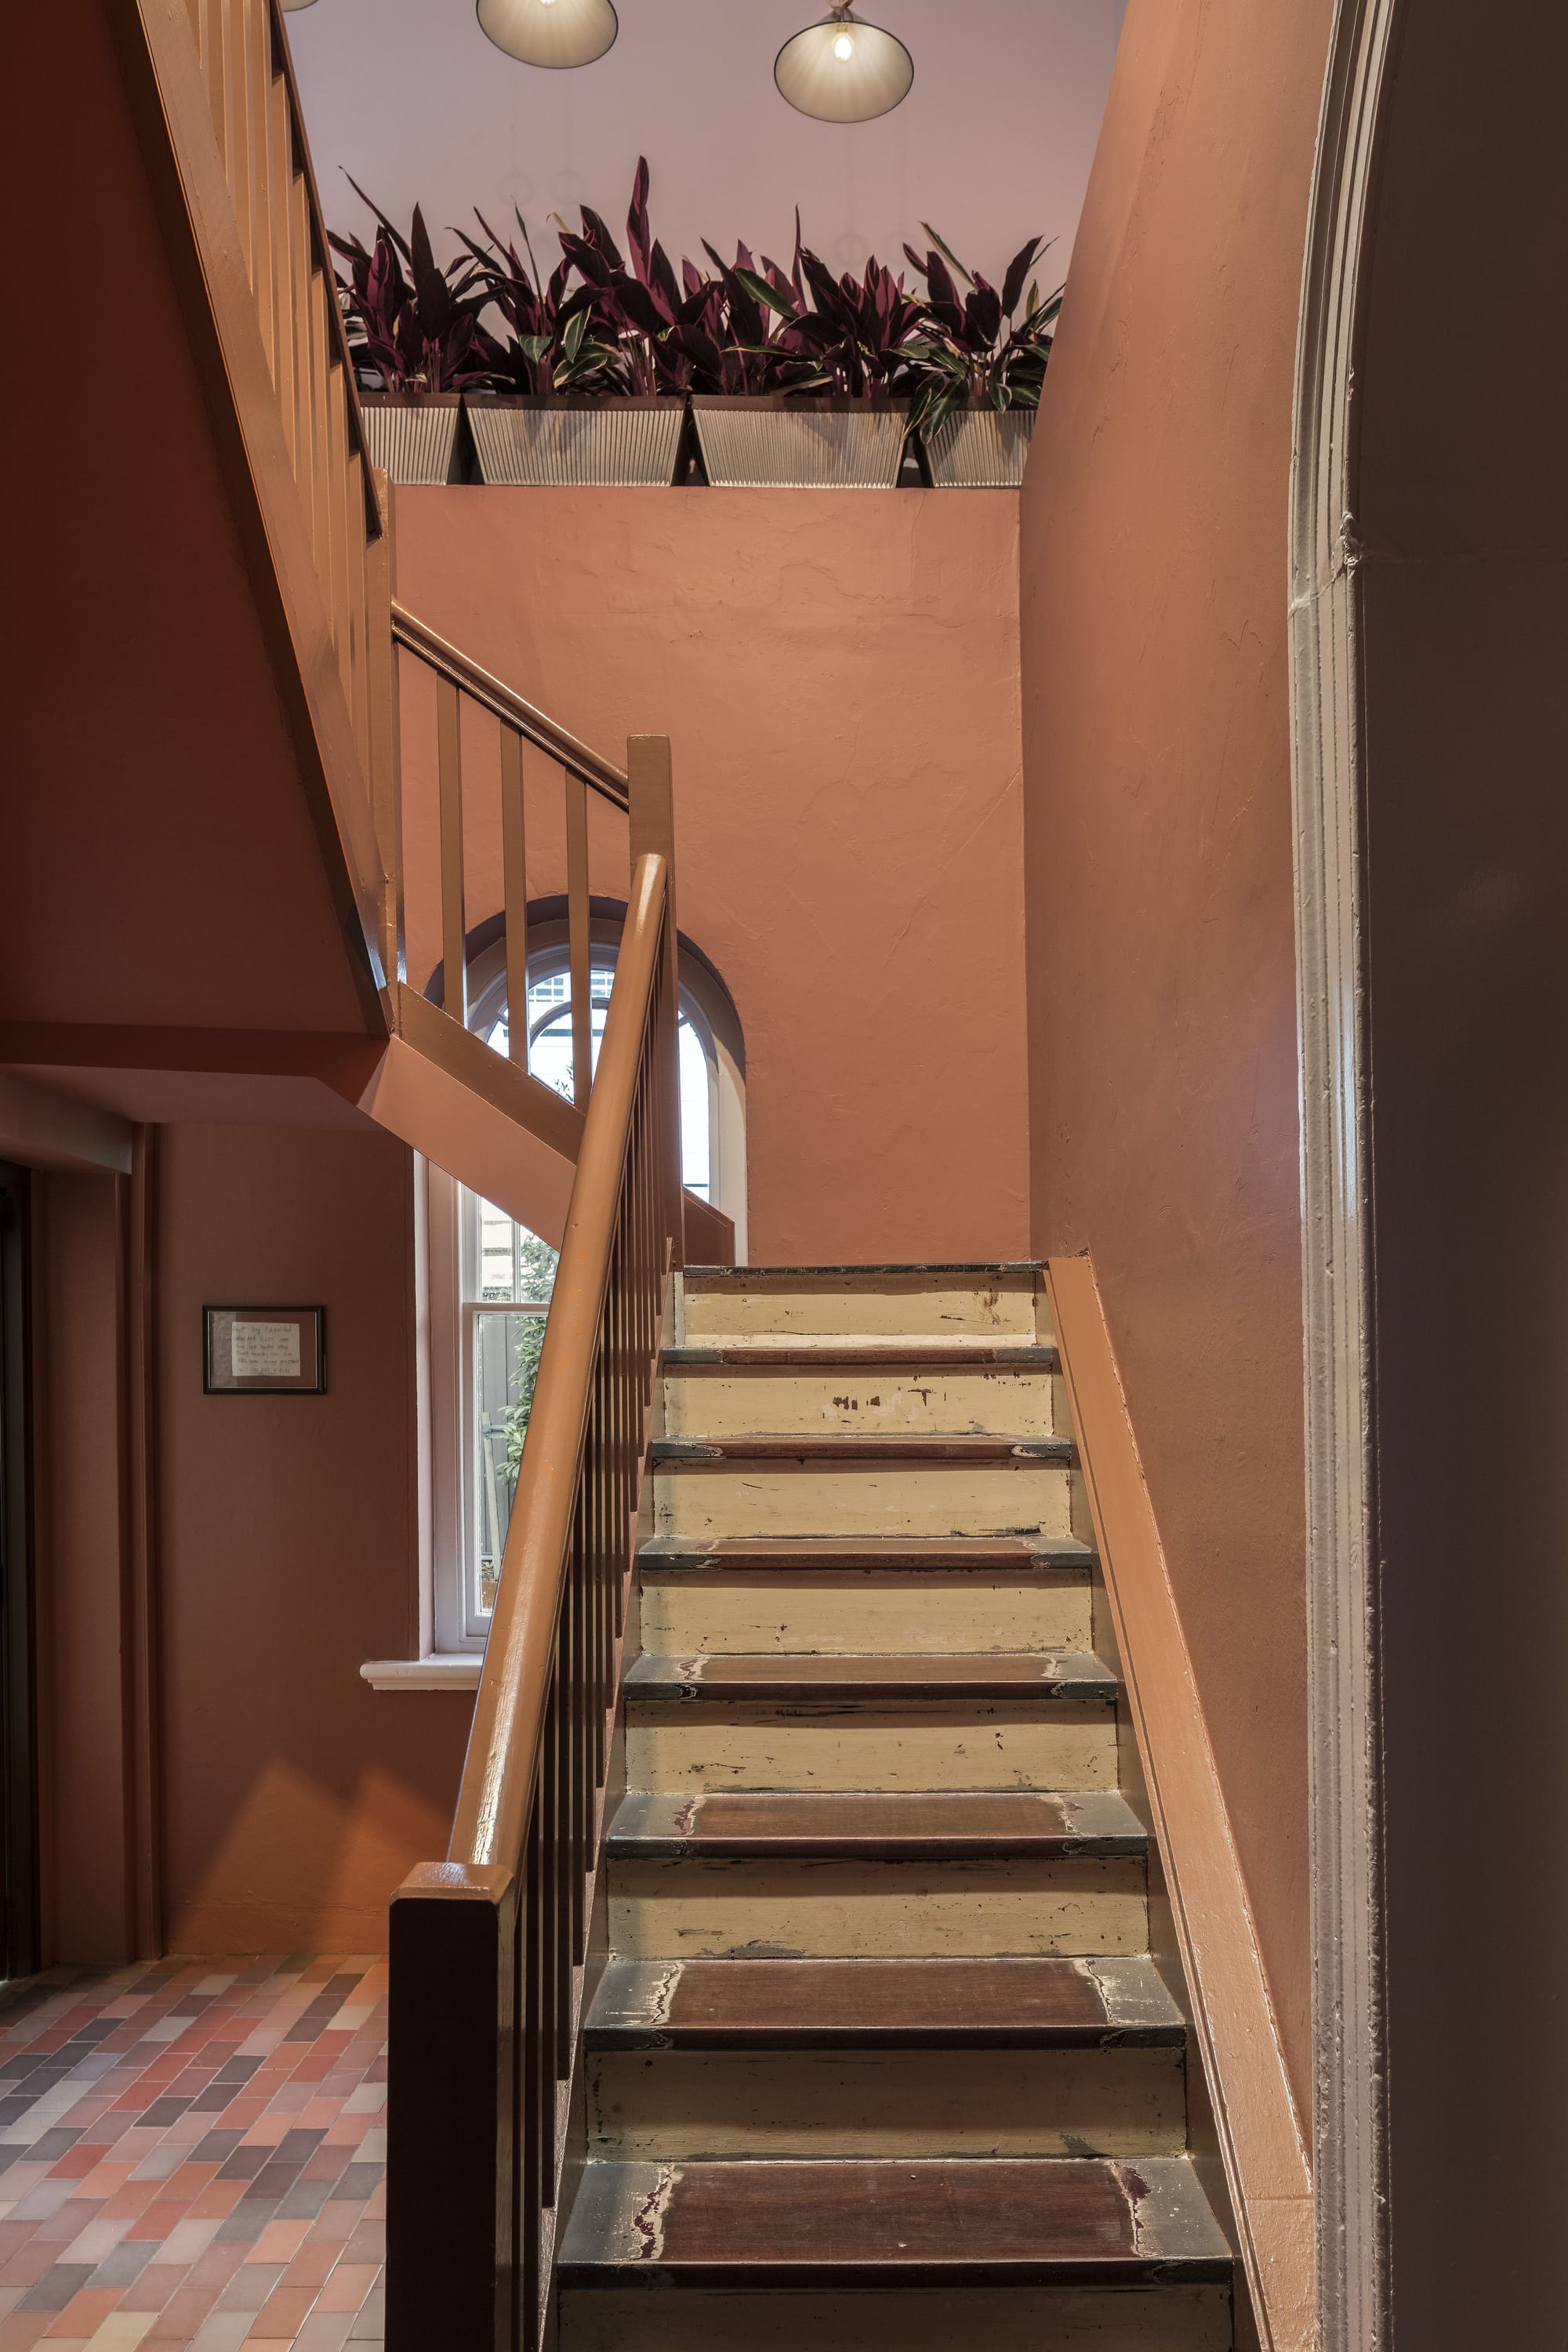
(1260, 2133)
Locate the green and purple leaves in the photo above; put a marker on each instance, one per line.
(967, 351)
(416, 324)
(598, 326)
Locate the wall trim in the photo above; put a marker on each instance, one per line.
(139, 1630)
(1260, 2141)
(1348, 2029)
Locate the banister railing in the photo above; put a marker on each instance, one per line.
(489, 1948)
(223, 92)
(534, 726)
(518, 723)
(640, 792)
(254, 105)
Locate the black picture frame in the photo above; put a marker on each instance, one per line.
(268, 1348)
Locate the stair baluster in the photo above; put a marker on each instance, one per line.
(488, 1948)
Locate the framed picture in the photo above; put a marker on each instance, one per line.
(263, 1351)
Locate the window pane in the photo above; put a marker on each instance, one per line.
(506, 1363)
(696, 1143)
(514, 1266)
(498, 1253)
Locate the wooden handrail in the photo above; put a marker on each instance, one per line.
(509, 1715)
(489, 1948)
(534, 726)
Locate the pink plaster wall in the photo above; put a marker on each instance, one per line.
(296, 1797)
(838, 674)
(1157, 750)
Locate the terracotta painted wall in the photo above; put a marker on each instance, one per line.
(295, 1796)
(837, 673)
(1162, 992)
(145, 738)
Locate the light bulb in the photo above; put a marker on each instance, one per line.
(841, 70)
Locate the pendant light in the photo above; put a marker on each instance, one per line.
(842, 71)
(554, 32)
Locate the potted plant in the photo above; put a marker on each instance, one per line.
(818, 400)
(416, 343)
(977, 375)
(586, 393)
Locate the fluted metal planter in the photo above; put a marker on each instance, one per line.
(413, 436)
(980, 449)
(577, 444)
(769, 442)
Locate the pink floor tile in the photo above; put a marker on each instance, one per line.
(306, 2282)
(279, 2241)
(348, 2286)
(84, 2314)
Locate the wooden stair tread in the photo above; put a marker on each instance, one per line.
(733, 1675)
(1080, 2219)
(896, 1354)
(741, 1278)
(887, 2005)
(1015, 1555)
(875, 1825)
(678, 1452)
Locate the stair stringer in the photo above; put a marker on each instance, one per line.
(1216, 1967)
(441, 1089)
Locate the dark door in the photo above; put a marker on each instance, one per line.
(18, 1743)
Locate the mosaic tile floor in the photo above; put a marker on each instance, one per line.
(192, 2154)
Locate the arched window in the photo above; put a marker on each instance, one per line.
(489, 1279)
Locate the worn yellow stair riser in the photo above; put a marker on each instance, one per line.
(734, 1611)
(860, 1399)
(955, 1744)
(696, 1907)
(874, 1498)
(678, 2103)
(835, 1308)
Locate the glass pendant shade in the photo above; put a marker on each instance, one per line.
(844, 71)
(554, 32)
(298, 3)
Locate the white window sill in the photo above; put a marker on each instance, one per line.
(460, 1673)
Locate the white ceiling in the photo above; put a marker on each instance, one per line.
(992, 145)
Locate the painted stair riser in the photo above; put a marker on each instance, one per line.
(928, 1614)
(683, 2105)
(928, 1499)
(1007, 1306)
(1175, 2319)
(859, 1401)
(945, 1744)
(697, 1907)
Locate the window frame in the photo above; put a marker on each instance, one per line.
(451, 1626)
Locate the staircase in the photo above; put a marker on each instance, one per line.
(876, 2043)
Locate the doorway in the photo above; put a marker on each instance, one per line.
(19, 1954)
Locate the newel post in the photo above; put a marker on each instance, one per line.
(450, 2260)
(651, 797)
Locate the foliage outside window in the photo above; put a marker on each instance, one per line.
(509, 1273)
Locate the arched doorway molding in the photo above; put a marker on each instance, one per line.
(1350, 2136)
(1429, 605)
